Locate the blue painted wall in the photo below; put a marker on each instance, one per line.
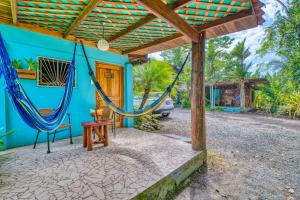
(2, 112)
(26, 44)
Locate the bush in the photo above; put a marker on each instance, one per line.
(185, 100)
(216, 108)
(147, 123)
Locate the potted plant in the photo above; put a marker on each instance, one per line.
(17, 64)
(32, 65)
(30, 72)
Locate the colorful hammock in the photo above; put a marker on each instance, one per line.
(148, 109)
(27, 111)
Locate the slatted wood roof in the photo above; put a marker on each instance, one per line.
(130, 27)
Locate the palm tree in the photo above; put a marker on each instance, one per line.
(154, 76)
(239, 68)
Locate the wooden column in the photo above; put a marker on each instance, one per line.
(198, 94)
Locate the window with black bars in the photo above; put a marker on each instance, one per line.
(53, 72)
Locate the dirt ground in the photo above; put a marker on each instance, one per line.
(250, 156)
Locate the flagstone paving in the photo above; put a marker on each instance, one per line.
(132, 162)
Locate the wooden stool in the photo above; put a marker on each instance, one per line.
(100, 128)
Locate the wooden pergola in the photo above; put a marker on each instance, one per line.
(139, 27)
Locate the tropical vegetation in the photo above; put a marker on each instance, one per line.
(154, 76)
(282, 96)
(176, 57)
(239, 69)
(226, 63)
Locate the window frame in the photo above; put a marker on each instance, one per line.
(52, 86)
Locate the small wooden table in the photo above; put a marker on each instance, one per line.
(100, 127)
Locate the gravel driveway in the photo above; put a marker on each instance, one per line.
(250, 156)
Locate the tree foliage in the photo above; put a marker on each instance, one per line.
(238, 68)
(283, 37)
(154, 76)
(282, 94)
(216, 58)
(176, 56)
(277, 97)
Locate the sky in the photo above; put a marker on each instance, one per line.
(253, 36)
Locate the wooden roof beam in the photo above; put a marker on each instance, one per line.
(87, 10)
(229, 18)
(13, 4)
(149, 18)
(156, 42)
(161, 10)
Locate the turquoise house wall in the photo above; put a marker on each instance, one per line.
(22, 44)
(2, 113)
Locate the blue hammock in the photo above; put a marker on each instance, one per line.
(28, 112)
(141, 112)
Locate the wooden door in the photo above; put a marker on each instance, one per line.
(111, 79)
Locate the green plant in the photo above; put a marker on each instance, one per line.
(185, 100)
(152, 77)
(176, 56)
(216, 58)
(147, 123)
(239, 70)
(216, 108)
(17, 64)
(281, 96)
(283, 38)
(5, 135)
(32, 65)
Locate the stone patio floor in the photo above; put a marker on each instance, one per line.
(132, 162)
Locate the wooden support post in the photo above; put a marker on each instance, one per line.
(198, 94)
(14, 12)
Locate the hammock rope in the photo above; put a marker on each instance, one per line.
(141, 112)
(26, 109)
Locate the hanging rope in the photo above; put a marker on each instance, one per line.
(27, 111)
(148, 109)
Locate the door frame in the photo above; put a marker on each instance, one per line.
(105, 65)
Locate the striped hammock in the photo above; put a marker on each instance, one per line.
(27, 111)
(138, 113)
